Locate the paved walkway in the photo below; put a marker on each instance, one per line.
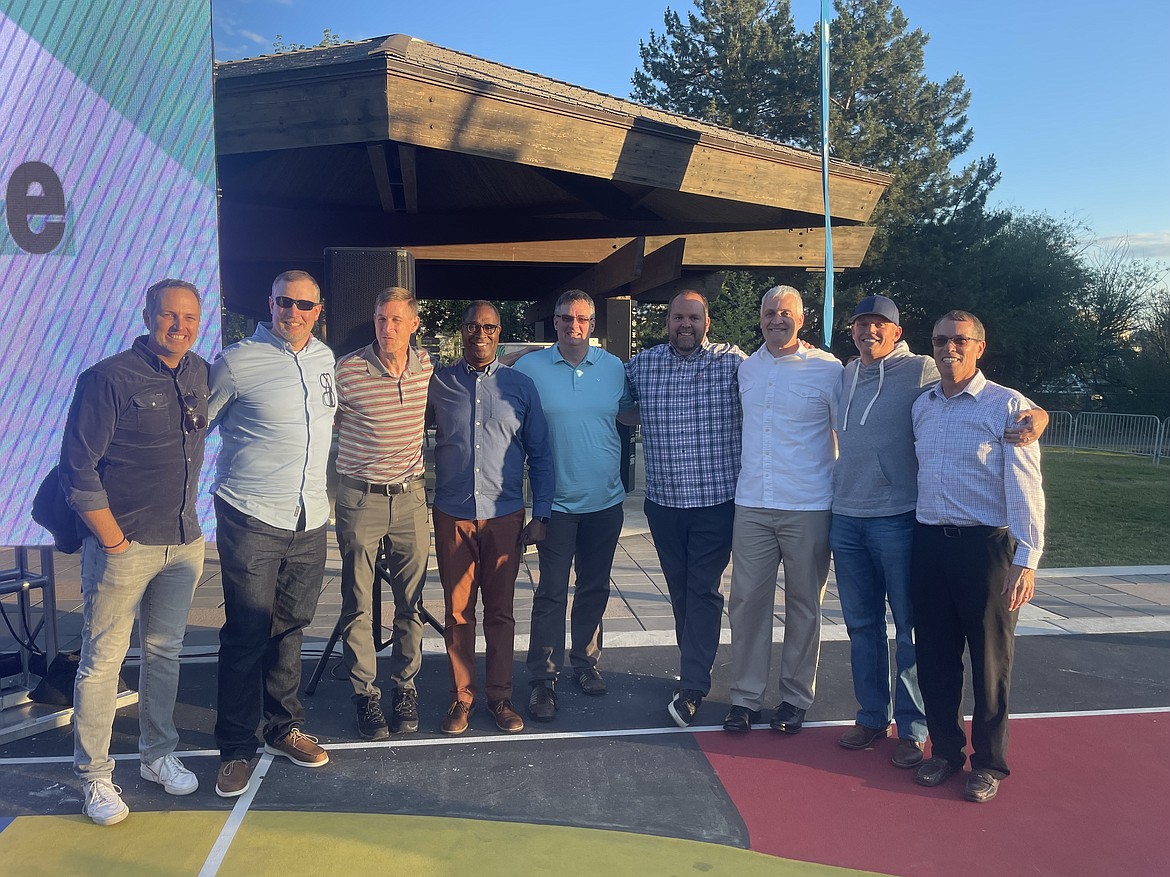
(1090, 600)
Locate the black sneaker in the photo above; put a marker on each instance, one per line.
(405, 716)
(683, 706)
(370, 720)
(542, 703)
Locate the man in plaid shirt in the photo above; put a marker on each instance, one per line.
(691, 420)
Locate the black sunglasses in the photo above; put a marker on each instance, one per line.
(960, 341)
(283, 301)
(193, 420)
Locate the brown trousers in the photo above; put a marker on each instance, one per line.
(477, 557)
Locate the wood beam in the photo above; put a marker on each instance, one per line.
(408, 163)
(618, 271)
(381, 169)
(660, 266)
(779, 248)
(459, 114)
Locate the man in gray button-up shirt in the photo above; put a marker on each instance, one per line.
(273, 398)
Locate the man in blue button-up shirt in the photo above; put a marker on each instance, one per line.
(487, 419)
(273, 398)
(130, 461)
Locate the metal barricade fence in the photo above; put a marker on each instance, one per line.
(1060, 430)
(1139, 434)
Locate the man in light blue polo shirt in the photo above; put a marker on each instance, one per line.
(581, 388)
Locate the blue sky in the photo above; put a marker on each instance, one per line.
(1072, 98)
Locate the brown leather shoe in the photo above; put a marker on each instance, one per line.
(455, 722)
(861, 736)
(299, 748)
(934, 772)
(981, 787)
(507, 719)
(232, 779)
(907, 754)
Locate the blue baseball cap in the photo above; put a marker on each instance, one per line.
(880, 305)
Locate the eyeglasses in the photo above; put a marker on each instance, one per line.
(486, 328)
(193, 420)
(283, 301)
(327, 394)
(960, 341)
(569, 318)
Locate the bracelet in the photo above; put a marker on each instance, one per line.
(116, 545)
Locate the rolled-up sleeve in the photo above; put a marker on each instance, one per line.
(89, 428)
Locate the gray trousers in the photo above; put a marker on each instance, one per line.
(591, 539)
(761, 540)
(363, 519)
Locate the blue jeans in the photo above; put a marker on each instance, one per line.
(694, 546)
(271, 583)
(154, 582)
(871, 558)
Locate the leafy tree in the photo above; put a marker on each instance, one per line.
(328, 38)
(736, 63)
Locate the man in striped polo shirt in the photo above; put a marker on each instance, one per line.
(382, 398)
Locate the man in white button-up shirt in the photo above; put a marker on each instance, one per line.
(783, 498)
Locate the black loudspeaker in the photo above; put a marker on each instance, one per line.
(353, 278)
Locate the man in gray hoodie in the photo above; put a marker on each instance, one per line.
(874, 497)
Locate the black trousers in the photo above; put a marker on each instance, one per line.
(956, 580)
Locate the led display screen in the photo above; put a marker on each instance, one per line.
(107, 178)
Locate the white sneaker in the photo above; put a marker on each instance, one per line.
(169, 773)
(103, 802)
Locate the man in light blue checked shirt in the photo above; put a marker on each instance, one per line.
(977, 543)
(688, 398)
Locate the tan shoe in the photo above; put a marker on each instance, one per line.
(233, 778)
(300, 749)
(455, 722)
(507, 719)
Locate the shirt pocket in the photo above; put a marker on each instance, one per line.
(150, 413)
(805, 402)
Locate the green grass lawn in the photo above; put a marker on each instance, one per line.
(1105, 509)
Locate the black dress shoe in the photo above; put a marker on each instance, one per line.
(788, 719)
(740, 719)
(934, 772)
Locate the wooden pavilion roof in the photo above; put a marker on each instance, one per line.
(503, 183)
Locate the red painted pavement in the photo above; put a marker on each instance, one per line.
(1088, 795)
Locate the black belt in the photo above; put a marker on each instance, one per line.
(959, 532)
(383, 489)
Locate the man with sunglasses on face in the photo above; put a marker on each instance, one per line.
(273, 398)
(488, 420)
(977, 543)
(130, 461)
(875, 492)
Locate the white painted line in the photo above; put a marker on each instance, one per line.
(235, 819)
(493, 739)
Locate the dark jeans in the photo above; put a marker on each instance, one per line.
(271, 582)
(956, 582)
(592, 539)
(693, 547)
